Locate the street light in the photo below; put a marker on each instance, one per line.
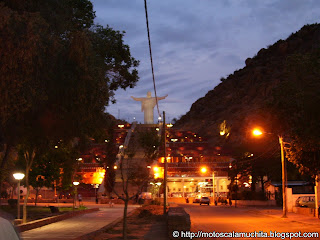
(19, 177)
(257, 132)
(203, 170)
(75, 183)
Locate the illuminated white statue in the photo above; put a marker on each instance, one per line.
(147, 105)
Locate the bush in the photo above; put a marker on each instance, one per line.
(4, 194)
(249, 195)
(13, 203)
(155, 202)
(54, 209)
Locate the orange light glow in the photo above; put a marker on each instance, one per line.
(257, 132)
(158, 172)
(203, 170)
(94, 177)
(98, 176)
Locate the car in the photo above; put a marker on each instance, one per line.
(305, 201)
(7, 231)
(204, 200)
(196, 200)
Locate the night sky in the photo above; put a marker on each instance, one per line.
(195, 43)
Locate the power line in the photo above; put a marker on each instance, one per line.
(251, 159)
(154, 82)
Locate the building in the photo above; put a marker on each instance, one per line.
(194, 166)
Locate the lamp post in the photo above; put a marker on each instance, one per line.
(75, 183)
(284, 180)
(19, 177)
(257, 132)
(165, 174)
(95, 186)
(159, 184)
(213, 192)
(236, 191)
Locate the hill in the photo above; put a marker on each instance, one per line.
(241, 99)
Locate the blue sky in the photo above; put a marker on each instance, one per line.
(195, 43)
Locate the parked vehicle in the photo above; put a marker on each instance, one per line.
(305, 201)
(196, 200)
(7, 231)
(204, 200)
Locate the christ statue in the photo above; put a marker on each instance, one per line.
(147, 105)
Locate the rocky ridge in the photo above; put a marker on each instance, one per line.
(239, 98)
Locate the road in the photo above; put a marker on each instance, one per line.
(227, 219)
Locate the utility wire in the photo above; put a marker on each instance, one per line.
(154, 82)
(261, 155)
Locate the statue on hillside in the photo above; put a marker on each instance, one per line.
(147, 105)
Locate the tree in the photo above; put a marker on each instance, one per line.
(58, 72)
(112, 152)
(296, 102)
(258, 157)
(133, 170)
(149, 141)
(68, 69)
(28, 152)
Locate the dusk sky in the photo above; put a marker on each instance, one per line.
(195, 43)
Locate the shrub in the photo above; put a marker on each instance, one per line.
(13, 202)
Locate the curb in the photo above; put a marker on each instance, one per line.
(46, 221)
(290, 219)
(92, 235)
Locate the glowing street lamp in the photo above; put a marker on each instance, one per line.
(257, 132)
(203, 170)
(75, 183)
(19, 177)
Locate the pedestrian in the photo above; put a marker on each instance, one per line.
(79, 199)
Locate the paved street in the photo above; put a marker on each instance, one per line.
(77, 226)
(226, 219)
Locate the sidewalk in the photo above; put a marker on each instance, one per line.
(291, 217)
(78, 226)
(158, 231)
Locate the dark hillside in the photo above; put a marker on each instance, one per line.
(240, 98)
